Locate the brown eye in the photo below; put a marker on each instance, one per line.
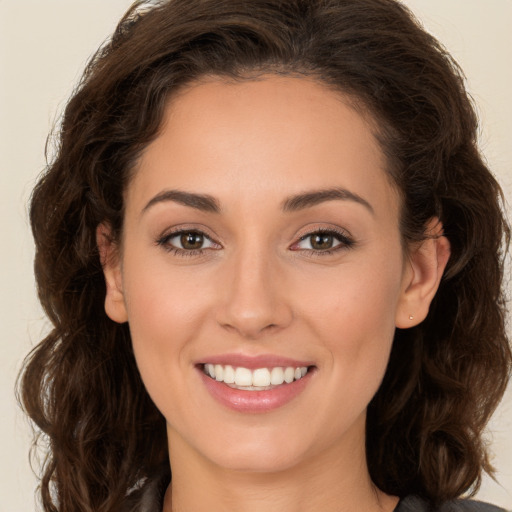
(191, 240)
(322, 241)
(187, 242)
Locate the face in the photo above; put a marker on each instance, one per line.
(261, 247)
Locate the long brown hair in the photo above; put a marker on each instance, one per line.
(106, 439)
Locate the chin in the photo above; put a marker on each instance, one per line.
(255, 450)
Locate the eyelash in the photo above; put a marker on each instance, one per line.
(176, 251)
(346, 242)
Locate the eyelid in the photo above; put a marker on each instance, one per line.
(188, 228)
(344, 237)
(178, 234)
(163, 241)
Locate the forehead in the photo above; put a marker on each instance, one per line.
(273, 135)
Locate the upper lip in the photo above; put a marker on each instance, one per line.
(254, 362)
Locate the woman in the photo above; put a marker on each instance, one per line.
(272, 256)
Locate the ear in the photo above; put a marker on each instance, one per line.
(115, 306)
(425, 267)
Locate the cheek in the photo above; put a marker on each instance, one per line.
(159, 295)
(354, 302)
(164, 311)
(352, 315)
(164, 317)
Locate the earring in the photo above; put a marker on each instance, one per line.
(411, 317)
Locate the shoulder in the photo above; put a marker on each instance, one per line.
(415, 504)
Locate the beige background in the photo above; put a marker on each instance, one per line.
(43, 47)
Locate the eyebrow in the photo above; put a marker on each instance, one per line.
(202, 202)
(309, 199)
(209, 204)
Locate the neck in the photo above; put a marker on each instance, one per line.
(334, 481)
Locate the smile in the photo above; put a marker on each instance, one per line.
(255, 385)
(259, 379)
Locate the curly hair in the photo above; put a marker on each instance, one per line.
(81, 387)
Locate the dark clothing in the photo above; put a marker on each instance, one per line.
(152, 496)
(415, 504)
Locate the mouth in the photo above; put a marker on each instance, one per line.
(258, 379)
(255, 384)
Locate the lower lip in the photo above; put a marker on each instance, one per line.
(255, 401)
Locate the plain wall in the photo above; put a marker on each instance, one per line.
(44, 46)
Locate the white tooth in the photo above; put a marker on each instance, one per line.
(261, 377)
(219, 372)
(229, 374)
(276, 376)
(289, 374)
(243, 377)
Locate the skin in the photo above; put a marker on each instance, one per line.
(259, 287)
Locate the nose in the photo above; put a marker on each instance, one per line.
(254, 296)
